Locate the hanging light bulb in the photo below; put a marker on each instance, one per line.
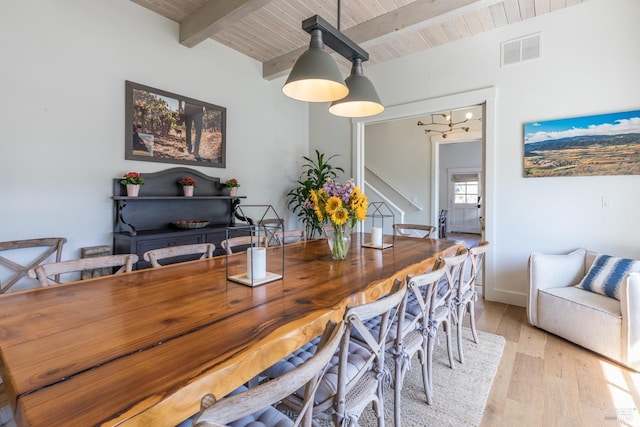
(362, 100)
(315, 76)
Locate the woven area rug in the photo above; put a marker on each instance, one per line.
(460, 394)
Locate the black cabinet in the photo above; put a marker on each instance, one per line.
(148, 221)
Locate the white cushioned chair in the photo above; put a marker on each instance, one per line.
(600, 323)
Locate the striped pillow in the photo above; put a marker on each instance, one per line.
(606, 275)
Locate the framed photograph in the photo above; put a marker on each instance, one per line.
(169, 128)
(606, 144)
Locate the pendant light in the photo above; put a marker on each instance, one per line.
(315, 77)
(362, 100)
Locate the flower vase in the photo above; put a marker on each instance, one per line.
(339, 241)
(133, 190)
(233, 192)
(188, 190)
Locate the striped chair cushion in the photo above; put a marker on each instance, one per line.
(606, 275)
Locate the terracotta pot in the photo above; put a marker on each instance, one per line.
(133, 190)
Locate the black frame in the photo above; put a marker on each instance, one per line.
(166, 122)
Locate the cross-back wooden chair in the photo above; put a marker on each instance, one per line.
(47, 273)
(359, 366)
(249, 406)
(271, 226)
(410, 335)
(414, 230)
(466, 294)
(289, 236)
(244, 242)
(50, 245)
(154, 256)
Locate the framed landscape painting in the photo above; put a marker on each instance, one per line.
(606, 144)
(164, 127)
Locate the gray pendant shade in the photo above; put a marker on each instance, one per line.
(315, 77)
(362, 100)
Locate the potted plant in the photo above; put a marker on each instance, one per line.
(314, 175)
(188, 184)
(232, 185)
(133, 181)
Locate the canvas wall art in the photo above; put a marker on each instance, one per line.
(164, 127)
(605, 144)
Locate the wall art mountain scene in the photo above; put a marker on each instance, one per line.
(606, 144)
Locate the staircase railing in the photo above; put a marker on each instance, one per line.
(391, 187)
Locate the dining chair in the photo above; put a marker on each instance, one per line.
(155, 255)
(414, 230)
(410, 337)
(243, 242)
(466, 294)
(49, 246)
(356, 377)
(46, 273)
(270, 227)
(255, 406)
(289, 236)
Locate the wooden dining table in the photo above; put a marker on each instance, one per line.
(142, 348)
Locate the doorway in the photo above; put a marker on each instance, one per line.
(464, 200)
(486, 98)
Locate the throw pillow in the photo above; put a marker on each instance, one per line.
(606, 275)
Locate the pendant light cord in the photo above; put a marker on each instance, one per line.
(338, 16)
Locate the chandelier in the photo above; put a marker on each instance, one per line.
(315, 76)
(446, 119)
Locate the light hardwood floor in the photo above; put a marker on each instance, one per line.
(544, 380)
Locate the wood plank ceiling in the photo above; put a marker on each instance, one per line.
(270, 30)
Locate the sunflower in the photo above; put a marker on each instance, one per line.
(332, 204)
(340, 216)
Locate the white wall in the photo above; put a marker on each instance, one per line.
(590, 65)
(64, 64)
(399, 152)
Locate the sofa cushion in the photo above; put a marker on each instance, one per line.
(606, 275)
(588, 319)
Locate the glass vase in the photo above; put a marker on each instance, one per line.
(339, 240)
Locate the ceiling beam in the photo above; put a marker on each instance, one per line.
(420, 12)
(214, 17)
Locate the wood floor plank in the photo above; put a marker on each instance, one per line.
(495, 407)
(561, 405)
(527, 379)
(532, 341)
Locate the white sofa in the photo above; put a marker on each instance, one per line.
(597, 322)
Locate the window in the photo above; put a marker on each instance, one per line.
(465, 188)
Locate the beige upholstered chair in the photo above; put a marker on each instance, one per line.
(254, 405)
(45, 273)
(289, 236)
(155, 255)
(243, 241)
(409, 336)
(355, 380)
(600, 323)
(50, 246)
(466, 295)
(413, 230)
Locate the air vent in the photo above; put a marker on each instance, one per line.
(522, 49)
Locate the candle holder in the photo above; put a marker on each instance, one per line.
(378, 227)
(254, 263)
